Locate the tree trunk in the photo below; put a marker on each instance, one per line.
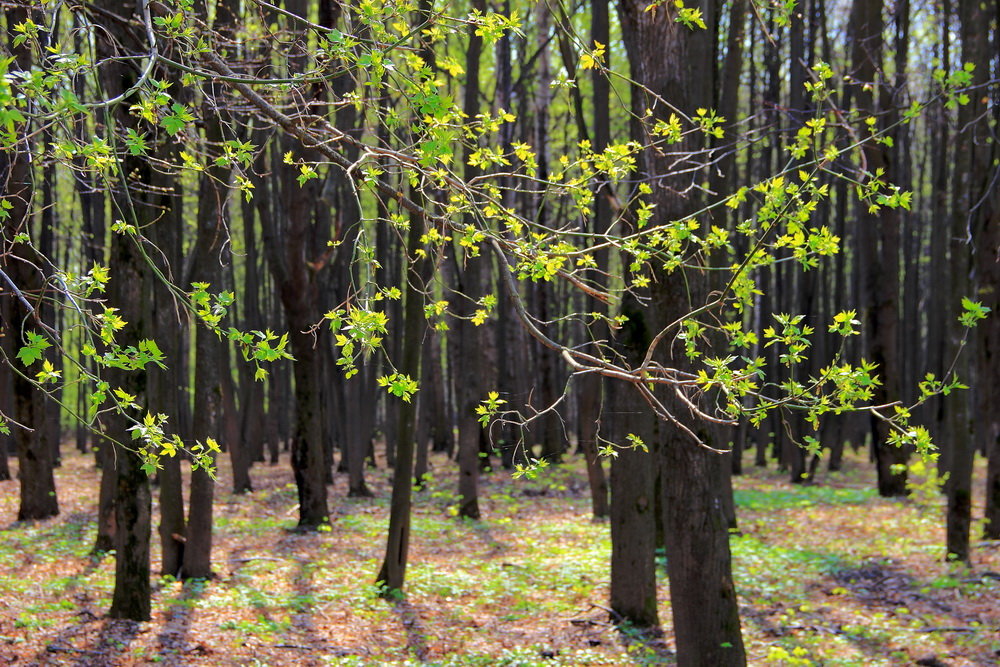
(34, 453)
(49, 310)
(393, 572)
(23, 266)
(678, 64)
(106, 515)
(633, 502)
(466, 351)
(7, 444)
(981, 212)
(417, 269)
(252, 392)
(288, 240)
(167, 388)
(133, 205)
(699, 563)
(207, 383)
(879, 248)
(131, 598)
(132, 498)
(287, 244)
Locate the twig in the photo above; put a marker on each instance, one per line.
(953, 629)
(18, 292)
(614, 614)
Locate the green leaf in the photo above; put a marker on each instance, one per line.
(32, 352)
(29, 355)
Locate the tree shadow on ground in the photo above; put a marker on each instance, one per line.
(172, 639)
(416, 637)
(303, 603)
(946, 605)
(877, 606)
(76, 587)
(484, 532)
(113, 643)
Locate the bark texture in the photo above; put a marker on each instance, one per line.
(678, 65)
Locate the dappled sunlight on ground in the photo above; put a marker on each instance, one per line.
(828, 574)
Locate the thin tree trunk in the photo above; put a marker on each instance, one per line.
(207, 382)
(167, 388)
(393, 572)
(49, 309)
(466, 352)
(106, 516)
(7, 443)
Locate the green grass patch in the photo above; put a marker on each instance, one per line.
(776, 498)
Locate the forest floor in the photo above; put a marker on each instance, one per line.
(827, 574)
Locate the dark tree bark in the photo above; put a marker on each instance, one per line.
(172, 525)
(677, 64)
(359, 396)
(591, 391)
(211, 234)
(703, 596)
(547, 428)
(467, 356)
(980, 210)
(132, 497)
(131, 598)
(957, 417)
(252, 392)
(167, 388)
(393, 572)
(34, 451)
(389, 273)
(418, 271)
(106, 521)
(256, 428)
(937, 360)
(211, 351)
(49, 310)
(633, 501)
(4, 464)
(436, 429)
(466, 350)
(793, 291)
(879, 247)
(133, 205)
(298, 296)
(92, 230)
(23, 266)
(510, 344)
(7, 444)
(232, 419)
(286, 239)
(725, 177)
